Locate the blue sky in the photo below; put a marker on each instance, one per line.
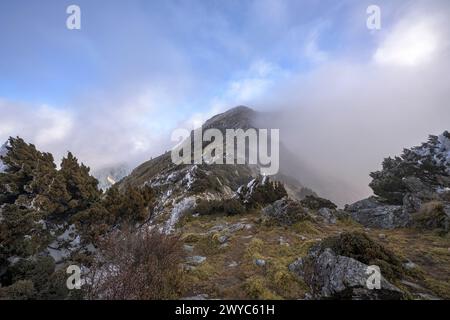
(201, 45)
(114, 90)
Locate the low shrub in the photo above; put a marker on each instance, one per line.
(227, 206)
(144, 265)
(431, 216)
(316, 203)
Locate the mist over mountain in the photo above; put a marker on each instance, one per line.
(112, 186)
(109, 176)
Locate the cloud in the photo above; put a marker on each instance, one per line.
(344, 116)
(312, 50)
(411, 43)
(57, 124)
(103, 130)
(43, 124)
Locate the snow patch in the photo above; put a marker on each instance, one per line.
(66, 243)
(190, 177)
(438, 148)
(177, 211)
(3, 152)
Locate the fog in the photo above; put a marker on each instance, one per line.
(343, 118)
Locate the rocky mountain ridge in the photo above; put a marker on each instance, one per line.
(179, 187)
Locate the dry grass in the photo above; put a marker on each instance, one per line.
(137, 265)
(427, 249)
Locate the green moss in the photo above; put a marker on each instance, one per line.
(439, 287)
(203, 272)
(316, 203)
(209, 245)
(20, 290)
(282, 281)
(225, 206)
(255, 287)
(255, 248)
(306, 227)
(192, 237)
(346, 221)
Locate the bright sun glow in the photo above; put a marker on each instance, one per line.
(409, 44)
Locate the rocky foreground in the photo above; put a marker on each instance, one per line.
(309, 249)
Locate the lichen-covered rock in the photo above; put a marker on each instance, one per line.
(285, 211)
(328, 215)
(373, 213)
(338, 268)
(333, 276)
(411, 203)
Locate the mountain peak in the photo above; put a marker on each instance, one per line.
(240, 117)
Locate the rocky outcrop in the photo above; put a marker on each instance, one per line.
(315, 203)
(327, 215)
(285, 212)
(373, 213)
(260, 191)
(419, 176)
(423, 171)
(331, 275)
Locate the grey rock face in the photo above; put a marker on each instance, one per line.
(368, 203)
(415, 185)
(333, 276)
(285, 211)
(196, 260)
(447, 209)
(327, 215)
(373, 214)
(411, 203)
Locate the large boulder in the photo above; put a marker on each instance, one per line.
(411, 203)
(327, 215)
(373, 213)
(332, 275)
(285, 212)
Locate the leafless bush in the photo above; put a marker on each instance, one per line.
(143, 265)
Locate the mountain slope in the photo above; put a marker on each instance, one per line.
(180, 187)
